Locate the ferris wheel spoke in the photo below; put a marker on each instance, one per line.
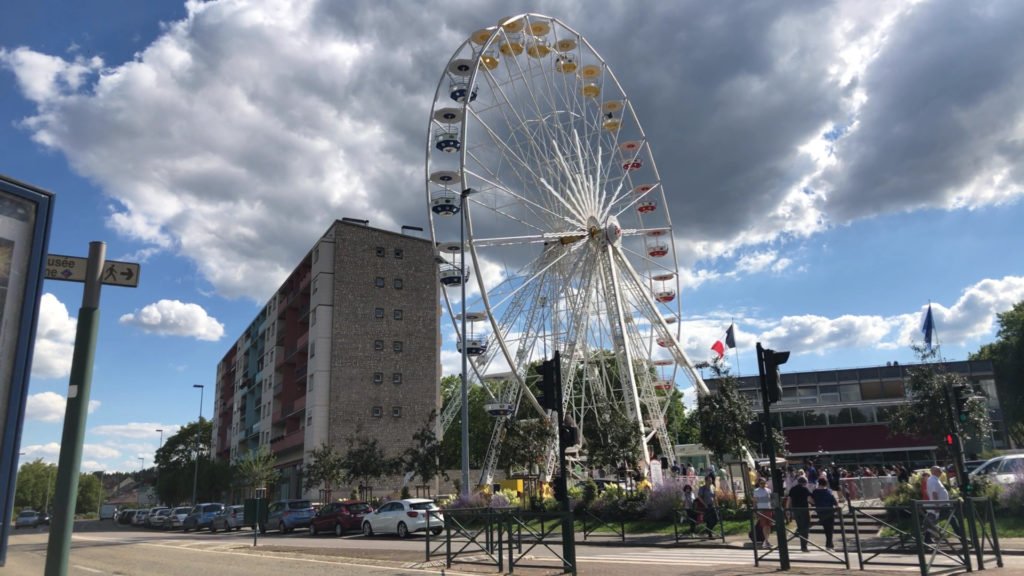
(547, 211)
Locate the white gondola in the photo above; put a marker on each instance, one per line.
(665, 296)
(657, 250)
(646, 207)
(499, 409)
(447, 140)
(450, 275)
(444, 202)
(474, 346)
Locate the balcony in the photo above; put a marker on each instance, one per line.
(288, 441)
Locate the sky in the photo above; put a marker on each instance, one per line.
(832, 168)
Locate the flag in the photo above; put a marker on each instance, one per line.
(928, 327)
(719, 348)
(730, 342)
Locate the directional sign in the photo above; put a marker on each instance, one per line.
(72, 269)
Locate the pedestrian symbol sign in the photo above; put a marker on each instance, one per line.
(72, 269)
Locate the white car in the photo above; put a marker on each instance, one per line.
(1006, 469)
(404, 517)
(177, 518)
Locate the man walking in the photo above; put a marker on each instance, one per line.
(798, 506)
(825, 506)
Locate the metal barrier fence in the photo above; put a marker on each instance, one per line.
(697, 522)
(591, 523)
(492, 537)
(981, 519)
(868, 487)
(830, 524)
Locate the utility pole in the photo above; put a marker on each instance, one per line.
(195, 474)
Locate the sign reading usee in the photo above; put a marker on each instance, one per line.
(72, 269)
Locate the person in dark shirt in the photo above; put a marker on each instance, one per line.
(798, 506)
(825, 507)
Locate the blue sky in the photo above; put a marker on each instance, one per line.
(832, 169)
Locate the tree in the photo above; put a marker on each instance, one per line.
(613, 440)
(365, 460)
(37, 481)
(256, 469)
(175, 464)
(424, 458)
(682, 424)
(527, 442)
(480, 425)
(1007, 356)
(724, 416)
(929, 412)
(89, 494)
(326, 469)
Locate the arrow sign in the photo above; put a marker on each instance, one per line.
(72, 269)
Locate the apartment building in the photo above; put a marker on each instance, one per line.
(349, 344)
(846, 412)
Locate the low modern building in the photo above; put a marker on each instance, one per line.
(845, 413)
(349, 344)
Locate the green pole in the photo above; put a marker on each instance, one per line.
(58, 547)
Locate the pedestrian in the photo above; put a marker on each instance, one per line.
(937, 492)
(902, 475)
(763, 509)
(825, 505)
(707, 504)
(689, 512)
(798, 506)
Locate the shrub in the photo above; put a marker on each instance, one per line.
(664, 500)
(474, 500)
(1011, 496)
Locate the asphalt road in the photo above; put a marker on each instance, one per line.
(102, 548)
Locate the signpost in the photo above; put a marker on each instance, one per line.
(94, 271)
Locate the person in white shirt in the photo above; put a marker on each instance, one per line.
(763, 506)
(936, 491)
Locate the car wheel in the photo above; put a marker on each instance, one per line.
(367, 529)
(282, 528)
(437, 531)
(338, 530)
(403, 531)
(186, 529)
(263, 529)
(312, 529)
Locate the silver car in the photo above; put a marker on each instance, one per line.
(176, 520)
(231, 518)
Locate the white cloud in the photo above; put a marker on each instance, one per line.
(99, 451)
(48, 452)
(175, 318)
(55, 339)
(49, 407)
(137, 430)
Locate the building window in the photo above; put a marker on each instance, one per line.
(378, 377)
(379, 282)
(378, 312)
(312, 320)
(316, 255)
(399, 253)
(398, 313)
(396, 411)
(314, 284)
(312, 349)
(396, 345)
(377, 411)
(381, 251)
(378, 345)
(398, 283)
(396, 378)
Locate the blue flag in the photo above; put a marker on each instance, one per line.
(928, 328)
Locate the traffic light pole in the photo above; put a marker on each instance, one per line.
(953, 416)
(777, 485)
(562, 488)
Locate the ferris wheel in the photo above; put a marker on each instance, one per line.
(546, 205)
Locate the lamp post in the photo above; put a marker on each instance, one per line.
(138, 491)
(156, 480)
(195, 475)
(465, 380)
(99, 499)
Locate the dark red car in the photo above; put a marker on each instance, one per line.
(339, 517)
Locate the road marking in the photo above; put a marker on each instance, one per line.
(87, 569)
(290, 558)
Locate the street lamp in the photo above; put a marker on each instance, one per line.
(195, 475)
(465, 343)
(138, 491)
(156, 480)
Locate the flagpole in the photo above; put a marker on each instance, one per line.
(736, 349)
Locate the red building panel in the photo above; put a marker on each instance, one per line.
(860, 438)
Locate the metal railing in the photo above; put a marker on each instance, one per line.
(698, 523)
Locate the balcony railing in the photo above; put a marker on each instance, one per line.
(288, 441)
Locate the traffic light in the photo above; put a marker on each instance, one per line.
(755, 432)
(548, 397)
(962, 395)
(949, 439)
(771, 379)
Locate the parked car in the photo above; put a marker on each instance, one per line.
(163, 516)
(108, 511)
(140, 517)
(31, 519)
(287, 515)
(176, 519)
(152, 514)
(404, 517)
(339, 517)
(201, 516)
(126, 516)
(231, 518)
(1006, 469)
